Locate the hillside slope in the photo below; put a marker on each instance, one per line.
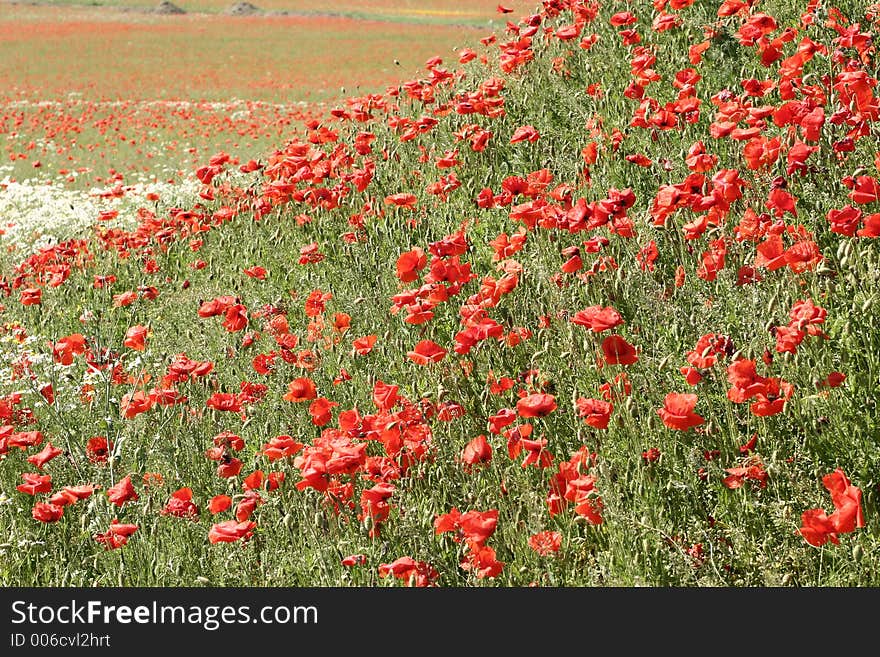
(592, 304)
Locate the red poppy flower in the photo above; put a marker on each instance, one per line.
(536, 405)
(478, 526)
(695, 51)
(447, 522)
(248, 504)
(216, 306)
(374, 505)
(737, 476)
(871, 226)
(31, 296)
(384, 395)
(865, 189)
(477, 451)
(98, 449)
(466, 55)
(781, 202)
(708, 349)
(133, 404)
(310, 254)
(219, 503)
(21, 439)
(818, 528)
(426, 352)
(341, 322)
(257, 272)
(746, 382)
(72, 494)
(229, 467)
(123, 491)
(640, 160)
(651, 455)
(180, 504)
(691, 375)
(414, 573)
(47, 512)
(698, 160)
(117, 535)
(772, 399)
(45, 455)
(67, 347)
(618, 351)
(845, 221)
(224, 401)
(750, 445)
(501, 419)
(677, 412)
(354, 560)
(525, 133)
(320, 411)
(622, 18)
(788, 338)
(236, 318)
(122, 529)
(597, 318)
(231, 531)
(35, 483)
(301, 389)
(474, 527)
(536, 450)
(847, 501)
(124, 299)
(363, 345)
(281, 447)
(402, 200)
(761, 153)
(481, 560)
(135, 337)
(833, 380)
(771, 253)
(227, 439)
(796, 157)
(595, 412)
(316, 302)
(545, 543)
(804, 314)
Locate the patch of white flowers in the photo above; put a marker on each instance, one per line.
(12, 351)
(34, 215)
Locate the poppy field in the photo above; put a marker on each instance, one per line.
(589, 301)
(178, 87)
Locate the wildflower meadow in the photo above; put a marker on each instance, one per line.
(586, 295)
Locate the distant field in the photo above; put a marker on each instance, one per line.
(112, 55)
(440, 11)
(89, 92)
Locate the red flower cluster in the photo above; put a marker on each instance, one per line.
(818, 528)
(473, 528)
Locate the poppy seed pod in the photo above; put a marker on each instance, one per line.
(857, 553)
